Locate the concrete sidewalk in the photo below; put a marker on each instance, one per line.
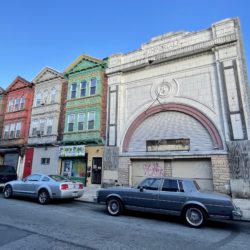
(244, 204)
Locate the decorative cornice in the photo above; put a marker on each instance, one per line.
(162, 54)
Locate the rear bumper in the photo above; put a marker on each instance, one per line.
(67, 194)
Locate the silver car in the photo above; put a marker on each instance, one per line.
(174, 196)
(44, 187)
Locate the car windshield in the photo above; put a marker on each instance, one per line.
(197, 185)
(58, 178)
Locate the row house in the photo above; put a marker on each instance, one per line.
(16, 122)
(82, 149)
(173, 105)
(2, 111)
(43, 148)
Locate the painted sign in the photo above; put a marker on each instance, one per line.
(72, 151)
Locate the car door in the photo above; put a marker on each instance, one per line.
(146, 195)
(28, 186)
(172, 196)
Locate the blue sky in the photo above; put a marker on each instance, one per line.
(35, 34)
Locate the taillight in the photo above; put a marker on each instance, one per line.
(81, 186)
(64, 186)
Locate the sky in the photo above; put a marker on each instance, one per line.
(54, 33)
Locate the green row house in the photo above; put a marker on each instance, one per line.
(82, 146)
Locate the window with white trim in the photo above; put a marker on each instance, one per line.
(38, 99)
(93, 86)
(53, 96)
(49, 126)
(42, 126)
(12, 130)
(34, 127)
(73, 90)
(81, 118)
(83, 88)
(6, 131)
(71, 120)
(45, 161)
(16, 103)
(10, 105)
(18, 129)
(45, 96)
(91, 120)
(22, 101)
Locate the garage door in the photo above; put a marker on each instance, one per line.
(142, 169)
(200, 170)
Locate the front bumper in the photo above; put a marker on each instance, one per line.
(237, 214)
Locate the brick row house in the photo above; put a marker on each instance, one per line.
(2, 112)
(16, 122)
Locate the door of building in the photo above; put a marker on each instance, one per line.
(28, 162)
(96, 170)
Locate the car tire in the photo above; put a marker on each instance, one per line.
(195, 216)
(7, 192)
(114, 206)
(43, 197)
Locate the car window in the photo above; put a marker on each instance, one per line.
(170, 185)
(181, 186)
(45, 178)
(58, 178)
(151, 184)
(34, 177)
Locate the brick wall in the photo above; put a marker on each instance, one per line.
(123, 170)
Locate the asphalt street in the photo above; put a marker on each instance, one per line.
(24, 224)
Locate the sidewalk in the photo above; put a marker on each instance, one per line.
(244, 204)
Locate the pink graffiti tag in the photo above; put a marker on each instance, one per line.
(153, 169)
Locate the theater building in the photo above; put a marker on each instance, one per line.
(174, 103)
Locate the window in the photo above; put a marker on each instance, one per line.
(49, 126)
(18, 129)
(53, 96)
(45, 96)
(81, 118)
(16, 103)
(34, 177)
(12, 130)
(42, 126)
(91, 120)
(45, 178)
(34, 127)
(151, 184)
(11, 105)
(6, 131)
(71, 119)
(73, 90)
(22, 101)
(93, 86)
(38, 99)
(45, 161)
(83, 88)
(170, 185)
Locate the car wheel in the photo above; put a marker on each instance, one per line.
(114, 206)
(43, 197)
(7, 192)
(195, 217)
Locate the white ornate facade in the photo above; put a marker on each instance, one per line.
(175, 102)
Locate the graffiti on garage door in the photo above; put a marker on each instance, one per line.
(153, 169)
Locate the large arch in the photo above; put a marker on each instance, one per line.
(204, 120)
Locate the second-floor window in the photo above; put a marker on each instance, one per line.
(83, 88)
(34, 127)
(12, 130)
(71, 119)
(16, 103)
(18, 129)
(45, 97)
(81, 118)
(91, 120)
(73, 90)
(22, 101)
(42, 126)
(93, 86)
(6, 131)
(53, 96)
(49, 126)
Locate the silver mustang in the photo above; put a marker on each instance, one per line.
(44, 187)
(174, 196)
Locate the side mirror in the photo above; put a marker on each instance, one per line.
(24, 179)
(141, 189)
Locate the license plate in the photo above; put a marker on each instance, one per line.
(74, 194)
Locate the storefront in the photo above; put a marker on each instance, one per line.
(74, 162)
(10, 156)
